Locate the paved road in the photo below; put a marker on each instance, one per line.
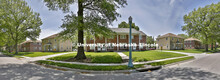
(210, 62)
(35, 72)
(10, 60)
(186, 71)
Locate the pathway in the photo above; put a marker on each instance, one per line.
(124, 57)
(31, 59)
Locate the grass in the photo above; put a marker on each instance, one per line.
(197, 51)
(140, 56)
(96, 57)
(170, 61)
(30, 54)
(110, 68)
(86, 67)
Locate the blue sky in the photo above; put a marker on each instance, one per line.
(154, 17)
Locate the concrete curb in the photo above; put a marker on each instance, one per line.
(80, 71)
(116, 64)
(164, 66)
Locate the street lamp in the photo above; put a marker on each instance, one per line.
(130, 64)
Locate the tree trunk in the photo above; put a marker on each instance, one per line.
(212, 46)
(16, 47)
(80, 53)
(206, 47)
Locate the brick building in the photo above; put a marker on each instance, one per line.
(192, 43)
(30, 46)
(121, 37)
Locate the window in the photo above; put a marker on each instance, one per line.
(167, 38)
(55, 47)
(122, 36)
(24, 48)
(40, 48)
(158, 40)
(190, 46)
(167, 46)
(140, 37)
(35, 48)
(55, 40)
(101, 38)
(112, 37)
(92, 47)
(132, 37)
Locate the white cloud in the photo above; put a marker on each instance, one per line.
(47, 32)
(171, 2)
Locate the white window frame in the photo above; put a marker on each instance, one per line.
(122, 36)
(140, 37)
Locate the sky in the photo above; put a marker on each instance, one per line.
(154, 17)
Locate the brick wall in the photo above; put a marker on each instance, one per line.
(114, 40)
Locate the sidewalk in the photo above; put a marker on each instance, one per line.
(116, 64)
(190, 54)
(124, 57)
(31, 59)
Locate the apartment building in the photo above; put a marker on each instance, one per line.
(55, 44)
(30, 46)
(170, 41)
(121, 37)
(193, 43)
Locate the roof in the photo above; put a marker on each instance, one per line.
(169, 35)
(126, 31)
(191, 39)
(52, 36)
(28, 41)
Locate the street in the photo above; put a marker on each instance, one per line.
(187, 71)
(35, 72)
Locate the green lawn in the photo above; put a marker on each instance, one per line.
(195, 51)
(86, 67)
(139, 56)
(32, 54)
(170, 61)
(110, 68)
(95, 57)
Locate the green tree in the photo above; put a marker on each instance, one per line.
(93, 17)
(184, 36)
(150, 40)
(123, 24)
(203, 23)
(20, 22)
